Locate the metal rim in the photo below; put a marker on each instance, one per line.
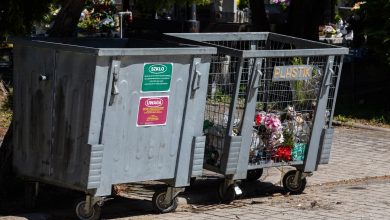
(290, 183)
(160, 205)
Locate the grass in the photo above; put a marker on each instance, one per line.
(368, 115)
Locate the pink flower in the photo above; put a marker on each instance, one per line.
(281, 2)
(272, 122)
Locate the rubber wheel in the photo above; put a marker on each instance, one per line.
(159, 206)
(288, 183)
(80, 212)
(228, 196)
(253, 175)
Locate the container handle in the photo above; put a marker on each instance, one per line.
(114, 88)
(197, 78)
(258, 74)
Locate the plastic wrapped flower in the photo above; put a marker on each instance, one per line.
(272, 123)
(259, 118)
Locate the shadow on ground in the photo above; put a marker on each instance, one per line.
(134, 200)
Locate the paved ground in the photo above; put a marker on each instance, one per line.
(354, 185)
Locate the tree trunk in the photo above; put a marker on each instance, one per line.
(65, 24)
(305, 16)
(259, 18)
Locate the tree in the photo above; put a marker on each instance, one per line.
(66, 21)
(376, 22)
(304, 18)
(259, 17)
(17, 16)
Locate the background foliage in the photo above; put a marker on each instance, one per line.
(18, 16)
(376, 23)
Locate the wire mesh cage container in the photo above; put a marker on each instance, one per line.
(270, 103)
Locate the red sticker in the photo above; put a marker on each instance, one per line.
(152, 111)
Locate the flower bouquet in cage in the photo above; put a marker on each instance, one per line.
(266, 137)
(281, 136)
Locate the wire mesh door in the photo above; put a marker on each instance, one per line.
(285, 110)
(221, 119)
(226, 98)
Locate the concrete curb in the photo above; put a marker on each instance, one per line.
(361, 126)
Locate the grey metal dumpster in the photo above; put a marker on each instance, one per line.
(270, 103)
(90, 113)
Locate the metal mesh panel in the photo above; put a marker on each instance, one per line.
(223, 78)
(285, 112)
(337, 64)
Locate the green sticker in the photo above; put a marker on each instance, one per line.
(157, 77)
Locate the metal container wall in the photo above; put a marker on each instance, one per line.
(242, 86)
(77, 112)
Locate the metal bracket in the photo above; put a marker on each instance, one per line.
(172, 193)
(301, 175)
(90, 201)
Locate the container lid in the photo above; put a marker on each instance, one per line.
(115, 47)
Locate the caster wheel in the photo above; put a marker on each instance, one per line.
(253, 175)
(82, 215)
(229, 195)
(160, 206)
(290, 186)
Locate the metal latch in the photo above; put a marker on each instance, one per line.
(197, 75)
(197, 78)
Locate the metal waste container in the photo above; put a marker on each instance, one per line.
(270, 103)
(90, 113)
